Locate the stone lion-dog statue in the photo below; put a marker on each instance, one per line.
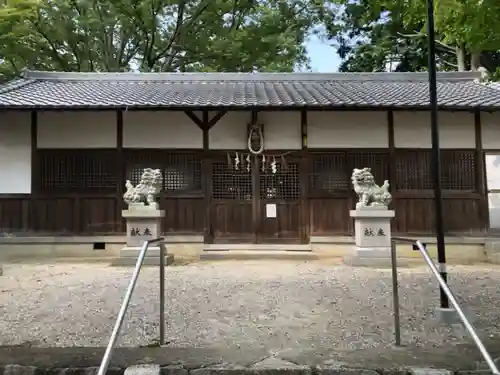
(369, 193)
(145, 192)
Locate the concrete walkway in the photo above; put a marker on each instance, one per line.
(392, 361)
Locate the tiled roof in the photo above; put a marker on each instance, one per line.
(243, 90)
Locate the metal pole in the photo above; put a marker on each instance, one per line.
(162, 294)
(395, 295)
(436, 155)
(123, 309)
(453, 300)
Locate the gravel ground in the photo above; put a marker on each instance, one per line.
(274, 305)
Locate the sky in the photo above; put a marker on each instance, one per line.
(324, 59)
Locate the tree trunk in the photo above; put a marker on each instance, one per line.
(460, 51)
(475, 61)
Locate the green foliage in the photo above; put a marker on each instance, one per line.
(370, 34)
(155, 35)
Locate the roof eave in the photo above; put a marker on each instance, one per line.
(247, 108)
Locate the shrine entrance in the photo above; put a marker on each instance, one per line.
(256, 201)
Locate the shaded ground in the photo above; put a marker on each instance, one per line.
(261, 307)
(460, 357)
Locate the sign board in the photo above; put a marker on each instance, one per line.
(271, 211)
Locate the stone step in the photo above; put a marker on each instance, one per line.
(148, 260)
(145, 369)
(257, 255)
(257, 247)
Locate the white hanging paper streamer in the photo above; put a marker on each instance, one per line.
(274, 169)
(237, 162)
(263, 163)
(248, 163)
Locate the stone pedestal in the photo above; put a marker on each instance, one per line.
(143, 223)
(372, 227)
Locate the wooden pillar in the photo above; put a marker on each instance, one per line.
(207, 178)
(205, 124)
(35, 156)
(392, 163)
(255, 171)
(481, 173)
(304, 182)
(35, 173)
(120, 172)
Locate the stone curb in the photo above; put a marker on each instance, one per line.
(266, 367)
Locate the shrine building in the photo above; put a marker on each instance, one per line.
(251, 158)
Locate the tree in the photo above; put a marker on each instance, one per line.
(16, 41)
(380, 34)
(468, 27)
(164, 35)
(368, 38)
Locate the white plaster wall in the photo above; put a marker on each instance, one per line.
(490, 123)
(347, 129)
(413, 130)
(77, 129)
(230, 133)
(281, 130)
(160, 129)
(15, 153)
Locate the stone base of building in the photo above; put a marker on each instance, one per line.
(377, 258)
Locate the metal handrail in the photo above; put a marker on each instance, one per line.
(444, 286)
(126, 301)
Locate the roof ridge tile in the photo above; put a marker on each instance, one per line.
(247, 77)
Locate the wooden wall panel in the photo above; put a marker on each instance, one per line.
(330, 216)
(99, 215)
(183, 215)
(416, 215)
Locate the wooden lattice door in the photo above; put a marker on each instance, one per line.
(231, 204)
(280, 205)
(243, 198)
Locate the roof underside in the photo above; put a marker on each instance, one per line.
(243, 90)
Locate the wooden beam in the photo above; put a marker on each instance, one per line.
(303, 128)
(205, 129)
(216, 118)
(481, 171)
(195, 118)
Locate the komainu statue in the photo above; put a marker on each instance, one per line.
(145, 192)
(369, 193)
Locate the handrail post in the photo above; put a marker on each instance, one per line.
(162, 293)
(453, 300)
(395, 295)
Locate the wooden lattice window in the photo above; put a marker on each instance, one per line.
(414, 170)
(331, 172)
(231, 183)
(284, 184)
(377, 161)
(181, 172)
(70, 170)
